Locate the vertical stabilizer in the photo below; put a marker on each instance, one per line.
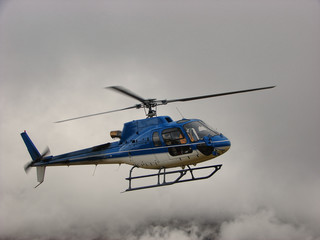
(34, 153)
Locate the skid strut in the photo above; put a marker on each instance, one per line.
(162, 176)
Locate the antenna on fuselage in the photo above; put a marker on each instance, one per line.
(94, 171)
(180, 113)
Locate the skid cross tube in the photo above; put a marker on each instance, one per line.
(164, 173)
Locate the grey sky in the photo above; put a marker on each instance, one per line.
(57, 56)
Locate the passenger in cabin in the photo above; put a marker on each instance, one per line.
(183, 140)
(173, 137)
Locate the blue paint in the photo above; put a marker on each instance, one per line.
(33, 151)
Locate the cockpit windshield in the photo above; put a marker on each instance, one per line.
(197, 130)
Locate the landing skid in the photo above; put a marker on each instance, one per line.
(162, 174)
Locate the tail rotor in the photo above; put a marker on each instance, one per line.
(30, 164)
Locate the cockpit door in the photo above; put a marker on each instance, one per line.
(176, 142)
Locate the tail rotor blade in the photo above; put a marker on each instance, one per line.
(27, 166)
(45, 153)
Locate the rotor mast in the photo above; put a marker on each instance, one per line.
(148, 104)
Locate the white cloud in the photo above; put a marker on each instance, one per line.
(262, 225)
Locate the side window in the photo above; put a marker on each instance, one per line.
(156, 139)
(173, 136)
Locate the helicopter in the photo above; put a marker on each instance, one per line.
(157, 143)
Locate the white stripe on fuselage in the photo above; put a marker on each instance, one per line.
(150, 160)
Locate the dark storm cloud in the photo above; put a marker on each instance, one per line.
(56, 57)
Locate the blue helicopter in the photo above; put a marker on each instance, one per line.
(156, 142)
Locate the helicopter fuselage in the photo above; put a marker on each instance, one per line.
(151, 143)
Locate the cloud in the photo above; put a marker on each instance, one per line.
(262, 225)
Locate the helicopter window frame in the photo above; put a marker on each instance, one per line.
(196, 130)
(156, 139)
(173, 136)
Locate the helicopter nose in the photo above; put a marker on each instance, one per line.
(221, 144)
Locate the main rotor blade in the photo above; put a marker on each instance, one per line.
(128, 93)
(96, 114)
(215, 95)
